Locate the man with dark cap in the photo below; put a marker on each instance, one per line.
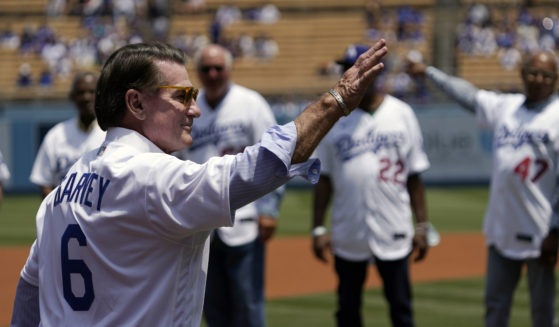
(371, 166)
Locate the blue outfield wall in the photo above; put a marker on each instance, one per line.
(459, 152)
(22, 127)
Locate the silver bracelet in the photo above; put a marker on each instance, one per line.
(319, 231)
(340, 101)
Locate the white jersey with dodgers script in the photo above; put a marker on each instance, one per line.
(238, 121)
(123, 241)
(368, 159)
(524, 183)
(62, 146)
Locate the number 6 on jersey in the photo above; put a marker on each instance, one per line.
(72, 266)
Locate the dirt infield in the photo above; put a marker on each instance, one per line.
(292, 270)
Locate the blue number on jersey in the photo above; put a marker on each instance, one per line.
(70, 266)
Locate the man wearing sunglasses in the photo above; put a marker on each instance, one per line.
(233, 117)
(124, 239)
(522, 221)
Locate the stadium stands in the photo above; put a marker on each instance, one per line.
(494, 64)
(309, 35)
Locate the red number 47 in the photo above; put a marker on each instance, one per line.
(523, 168)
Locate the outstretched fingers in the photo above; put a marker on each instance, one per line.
(369, 62)
(356, 80)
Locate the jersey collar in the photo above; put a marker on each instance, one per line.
(132, 138)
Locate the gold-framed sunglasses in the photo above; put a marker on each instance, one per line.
(190, 92)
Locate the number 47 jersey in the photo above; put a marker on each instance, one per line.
(524, 183)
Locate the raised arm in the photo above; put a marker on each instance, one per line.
(257, 170)
(458, 89)
(317, 119)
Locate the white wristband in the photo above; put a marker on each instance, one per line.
(319, 231)
(340, 101)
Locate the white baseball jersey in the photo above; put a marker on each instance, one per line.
(62, 146)
(368, 159)
(524, 184)
(238, 121)
(4, 172)
(160, 256)
(123, 240)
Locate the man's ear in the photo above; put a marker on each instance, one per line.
(133, 100)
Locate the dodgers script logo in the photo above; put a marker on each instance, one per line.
(348, 147)
(212, 134)
(518, 137)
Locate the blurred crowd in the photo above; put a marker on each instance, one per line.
(403, 28)
(508, 31)
(106, 25)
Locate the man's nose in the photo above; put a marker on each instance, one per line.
(193, 110)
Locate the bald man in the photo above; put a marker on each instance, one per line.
(233, 117)
(521, 223)
(67, 141)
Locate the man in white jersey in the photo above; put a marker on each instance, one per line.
(67, 141)
(4, 176)
(233, 117)
(521, 220)
(123, 240)
(371, 166)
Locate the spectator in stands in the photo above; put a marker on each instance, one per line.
(268, 14)
(547, 36)
(45, 78)
(26, 43)
(125, 9)
(93, 7)
(227, 15)
(53, 51)
(55, 7)
(65, 143)
(245, 44)
(484, 40)
(478, 14)
(505, 36)
(266, 47)
(509, 57)
(4, 176)
(24, 78)
(409, 24)
(83, 53)
(9, 39)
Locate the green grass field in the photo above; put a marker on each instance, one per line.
(456, 303)
(450, 209)
(450, 303)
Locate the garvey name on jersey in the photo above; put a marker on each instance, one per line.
(80, 192)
